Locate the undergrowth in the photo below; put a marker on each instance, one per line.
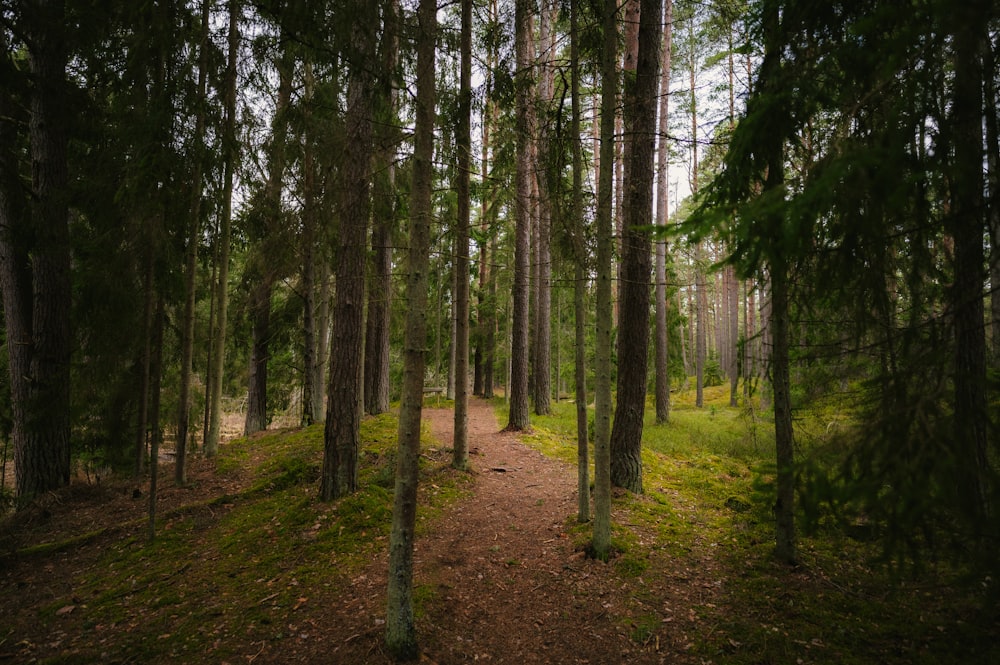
(708, 479)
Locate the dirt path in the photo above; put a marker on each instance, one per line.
(499, 576)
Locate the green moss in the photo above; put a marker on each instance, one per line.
(233, 569)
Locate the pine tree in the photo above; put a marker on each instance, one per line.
(401, 637)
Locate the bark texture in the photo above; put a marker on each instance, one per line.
(383, 223)
(633, 322)
(966, 224)
(662, 373)
(401, 637)
(605, 247)
(35, 262)
(460, 447)
(343, 412)
(221, 307)
(191, 257)
(519, 418)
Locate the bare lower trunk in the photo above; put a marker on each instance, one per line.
(222, 285)
(602, 348)
(42, 434)
(662, 374)
(400, 631)
(156, 437)
(633, 335)
(343, 412)
(256, 416)
(460, 456)
(191, 260)
(518, 389)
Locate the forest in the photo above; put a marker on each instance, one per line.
(725, 272)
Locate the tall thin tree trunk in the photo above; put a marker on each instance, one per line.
(633, 335)
(191, 257)
(778, 272)
(542, 368)
(993, 186)
(400, 633)
(383, 224)
(580, 277)
(310, 414)
(662, 374)
(265, 267)
(460, 456)
(605, 248)
(700, 286)
(156, 429)
(142, 427)
(225, 229)
(518, 388)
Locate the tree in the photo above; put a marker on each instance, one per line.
(35, 258)
(580, 275)
(343, 412)
(966, 224)
(662, 373)
(400, 633)
(605, 245)
(222, 241)
(546, 181)
(268, 261)
(518, 389)
(191, 255)
(376, 388)
(778, 274)
(633, 337)
(463, 141)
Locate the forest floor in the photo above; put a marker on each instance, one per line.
(498, 576)
(248, 567)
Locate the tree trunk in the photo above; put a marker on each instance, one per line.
(967, 225)
(784, 507)
(489, 363)
(260, 311)
(15, 263)
(700, 286)
(734, 335)
(662, 374)
(633, 335)
(376, 387)
(310, 414)
(401, 637)
(265, 268)
(156, 438)
(546, 181)
(460, 455)
(222, 286)
(605, 248)
(993, 204)
(191, 257)
(36, 279)
(580, 277)
(518, 389)
(343, 413)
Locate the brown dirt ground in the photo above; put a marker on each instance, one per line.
(501, 579)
